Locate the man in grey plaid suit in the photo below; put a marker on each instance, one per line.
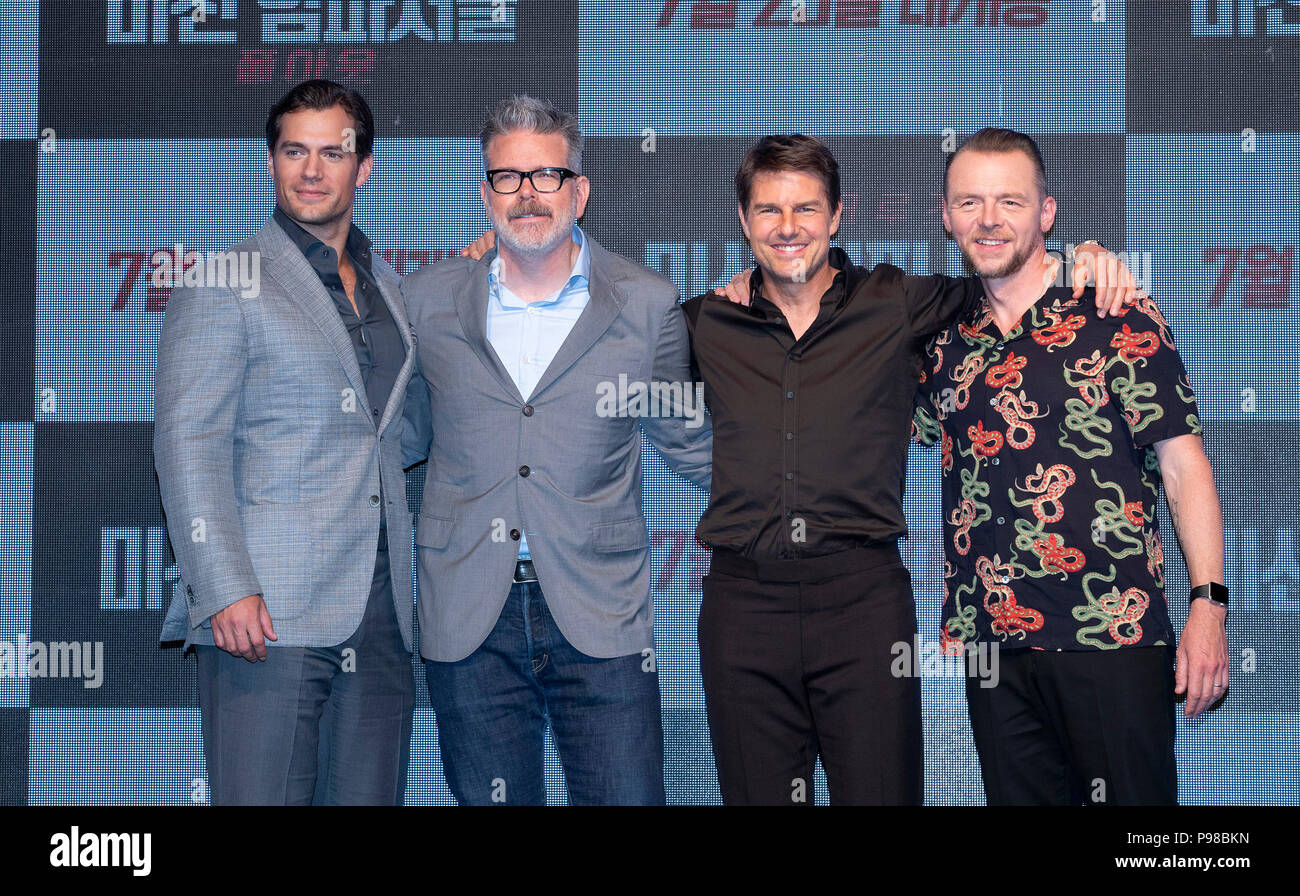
(277, 440)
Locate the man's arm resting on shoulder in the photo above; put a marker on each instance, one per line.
(1198, 520)
(202, 357)
(682, 434)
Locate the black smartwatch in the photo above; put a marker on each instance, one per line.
(1214, 592)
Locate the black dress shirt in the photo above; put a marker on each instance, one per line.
(810, 435)
(378, 346)
(374, 335)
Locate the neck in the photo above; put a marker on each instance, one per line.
(534, 276)
(799, 298)
(1011, 296)
(332, 233)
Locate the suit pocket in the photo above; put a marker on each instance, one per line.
(625, 535)
(439, 513)
(432, 531)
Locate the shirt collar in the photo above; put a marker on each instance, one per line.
(579, 276)
(835, 295)
(358, 244)
(980, 328)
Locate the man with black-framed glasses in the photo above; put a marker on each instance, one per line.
(534, 558)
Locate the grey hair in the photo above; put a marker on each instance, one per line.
(525, 113)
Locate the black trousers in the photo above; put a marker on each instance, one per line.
(1077, 727)
(795, 659)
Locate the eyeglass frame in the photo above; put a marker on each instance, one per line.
(564, 173)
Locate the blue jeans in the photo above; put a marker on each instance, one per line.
(493, 707)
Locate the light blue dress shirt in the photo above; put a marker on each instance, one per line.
(526, 335)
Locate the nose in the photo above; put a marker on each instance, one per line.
(787, 226)
(312, 169)
(989, 218)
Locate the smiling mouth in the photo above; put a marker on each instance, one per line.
(788, 248)
(989, 242)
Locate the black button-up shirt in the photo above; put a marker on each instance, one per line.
(378, 345)
(1050, 477)
(810, 435)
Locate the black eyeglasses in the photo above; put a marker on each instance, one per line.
(544, 180)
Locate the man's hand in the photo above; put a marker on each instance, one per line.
(1115, 284)
(241, 628)
(481, 246)
(737, 290)
(1202, 658)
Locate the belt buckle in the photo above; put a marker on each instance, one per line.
(525, 572)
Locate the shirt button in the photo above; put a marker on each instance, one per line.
(524, 471)
(789, 475)
(376, 410)
(999, 346)
(996, 461)
(528, 410)
(1001, 520)
(993, 402)
(789, 436)
(374, 500)
(1006, 579)
(514, 534)
(789, 395)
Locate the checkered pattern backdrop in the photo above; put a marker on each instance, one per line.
(1171, 130)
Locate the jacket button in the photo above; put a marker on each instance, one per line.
(514, 534)
(524, 471)
(528, 410)
(374, 500)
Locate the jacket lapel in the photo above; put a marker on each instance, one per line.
(301, 285)
(396, 307)
(603, 306)
(471, 308)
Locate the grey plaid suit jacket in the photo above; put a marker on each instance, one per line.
(269, 464)
(580, 500)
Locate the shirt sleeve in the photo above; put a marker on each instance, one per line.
(926, 428)
(934, 301)
(1147, 380)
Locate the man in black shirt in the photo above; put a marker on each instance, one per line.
(810, 390)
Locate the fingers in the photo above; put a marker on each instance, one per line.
(1081, 274)
(736, 289)
(1206, 682)
(480, 246)
(268, 628)
(241, 629)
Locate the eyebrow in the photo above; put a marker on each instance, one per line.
(1011, 195)
(294, 144)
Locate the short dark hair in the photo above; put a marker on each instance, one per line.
(789, 152)
(1001, 140)
(320, 94)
